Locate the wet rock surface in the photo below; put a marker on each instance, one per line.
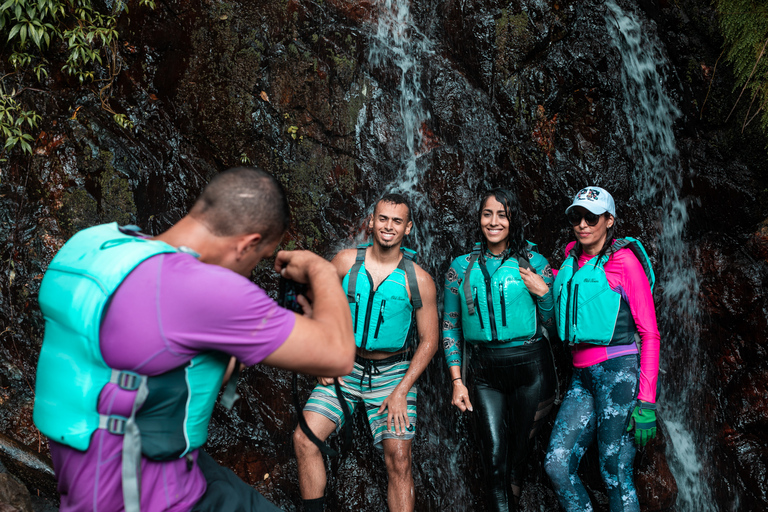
(524, 94)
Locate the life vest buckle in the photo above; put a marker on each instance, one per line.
(116, 424)
(128, 380)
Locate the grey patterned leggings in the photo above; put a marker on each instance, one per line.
(597, 406)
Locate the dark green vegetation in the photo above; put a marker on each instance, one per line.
(744, 25)
(35, 31)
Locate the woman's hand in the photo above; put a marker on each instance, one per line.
(461, 396)
(534, 282)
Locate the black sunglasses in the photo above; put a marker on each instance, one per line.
(574, 217)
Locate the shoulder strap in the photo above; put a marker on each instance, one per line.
(523, 258)
(638, 250)
(131, 229)
(410, 254)
(406, 265)
(470, 300)
(573, 254)
(642, 256)
(352, 283)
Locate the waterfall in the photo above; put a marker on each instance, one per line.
(399, 45)
(651, 113)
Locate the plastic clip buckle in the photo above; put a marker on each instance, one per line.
(116, 425)
(128, 380)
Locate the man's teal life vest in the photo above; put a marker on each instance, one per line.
(497, 308)
(382, 318)
(587, 310)
(172, 410)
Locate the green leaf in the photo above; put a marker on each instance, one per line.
(14, 31)
(37, 35)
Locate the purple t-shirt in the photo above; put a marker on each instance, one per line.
(168, 310)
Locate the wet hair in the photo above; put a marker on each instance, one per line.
(516, 238)
(241, 201)
(395, 199)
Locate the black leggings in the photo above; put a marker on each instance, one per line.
(513, 391)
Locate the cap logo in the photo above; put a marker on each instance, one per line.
(588, 194)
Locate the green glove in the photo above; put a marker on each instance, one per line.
(643, 420)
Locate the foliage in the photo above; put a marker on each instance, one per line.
(744, 24)
(13, 121)
(33, 28)
(91, 32)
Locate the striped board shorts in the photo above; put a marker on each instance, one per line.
(370, 382)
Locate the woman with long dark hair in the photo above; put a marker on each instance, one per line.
(604, 306)
(497, 307)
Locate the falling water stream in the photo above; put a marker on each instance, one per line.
(651, 114)
(399, 45)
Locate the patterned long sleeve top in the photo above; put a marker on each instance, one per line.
(451, 325)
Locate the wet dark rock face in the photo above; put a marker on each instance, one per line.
(524, 94)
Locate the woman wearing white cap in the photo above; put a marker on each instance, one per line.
(603, 306)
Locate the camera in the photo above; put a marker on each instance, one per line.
(287, 292)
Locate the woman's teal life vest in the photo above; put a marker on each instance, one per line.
(172, 410)
(587, 310)
(382, 318)
(497, 308)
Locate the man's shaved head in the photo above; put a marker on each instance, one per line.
(243, 201)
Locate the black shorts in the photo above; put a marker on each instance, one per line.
(226, 491)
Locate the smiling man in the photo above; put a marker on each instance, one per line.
(386, 291)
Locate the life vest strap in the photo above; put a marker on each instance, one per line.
(352, 283)
(229, 396)
(407, 266)
(522, 262)
(127, 427)
(468, 298)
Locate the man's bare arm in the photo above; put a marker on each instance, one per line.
(343, 261)
(323, 344)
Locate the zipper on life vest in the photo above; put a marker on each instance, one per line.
(380, 320)
(357, 309)
(477, 309)
(568, 311)
(575, 305)
(364, 344)
(503, 306)
(491, 315)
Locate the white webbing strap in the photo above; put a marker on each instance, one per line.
(131, 475)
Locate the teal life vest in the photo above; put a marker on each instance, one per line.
(388, 304)
(497, 308)
(587, 310)
(171, 411)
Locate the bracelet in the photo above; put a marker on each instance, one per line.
(457, 378)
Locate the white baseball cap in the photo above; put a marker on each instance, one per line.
(595, 199)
